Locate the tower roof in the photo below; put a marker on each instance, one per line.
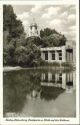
(33, 23)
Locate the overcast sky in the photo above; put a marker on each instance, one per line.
(60, 17)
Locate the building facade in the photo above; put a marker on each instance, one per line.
(52, 54)
(57, 54)
(60, 80)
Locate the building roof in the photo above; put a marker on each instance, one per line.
(52, 48)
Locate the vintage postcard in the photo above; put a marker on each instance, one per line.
(39, 62)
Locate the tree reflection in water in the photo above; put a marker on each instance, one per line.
(49, 93)
(19, 86)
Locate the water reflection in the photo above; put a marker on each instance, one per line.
(61, 80)
(25, 91)
(54, 84)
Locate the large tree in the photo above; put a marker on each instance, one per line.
(13, 34)
(52, 38)
(27, 56)
(11, 23)
(47, 32)
(17, 49)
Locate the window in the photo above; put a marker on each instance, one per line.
(46, 55)
(53, 77)
(53, 55)
(60, 58)
(60, 78)
(46, 77)
(43, 77)
(60, 54)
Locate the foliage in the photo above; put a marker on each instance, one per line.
(19, 50)
(13, 34)
(35, 40)
(54, 40)
(8, 54)
(47, 32)
(27, 56)
(11, 23)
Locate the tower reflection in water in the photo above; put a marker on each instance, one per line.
(54, 84)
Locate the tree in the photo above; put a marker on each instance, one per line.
(8, 54)
(47, 32)
(17, 49)
(27, 56)
(52, 38)
(13, 33)
(35, 40)
(11, 23)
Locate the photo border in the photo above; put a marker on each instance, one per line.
(56, 120)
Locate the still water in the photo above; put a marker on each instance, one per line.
(39, 93)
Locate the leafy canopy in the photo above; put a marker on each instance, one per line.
(17, 49)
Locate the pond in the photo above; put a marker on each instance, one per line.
(41, 92)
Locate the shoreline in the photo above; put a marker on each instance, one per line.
(11, 68)
(16, 68)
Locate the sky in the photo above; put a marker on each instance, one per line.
(59, 17)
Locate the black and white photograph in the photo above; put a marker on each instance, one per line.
(39, 58)
(40, 62)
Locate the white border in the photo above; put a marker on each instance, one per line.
(1, 61)
(57, 2)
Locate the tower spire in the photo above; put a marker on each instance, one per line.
(33, 29)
